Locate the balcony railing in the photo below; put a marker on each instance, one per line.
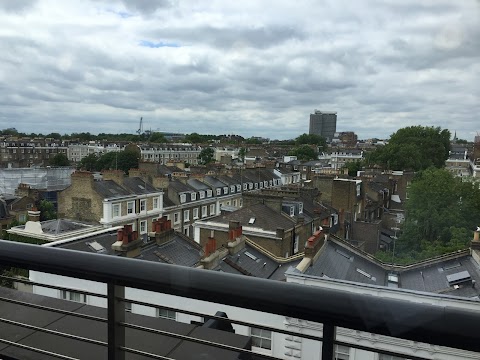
(437, 325)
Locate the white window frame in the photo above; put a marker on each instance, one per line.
(193, 196)
(116, 210)
(261, 340)
(212, 209)
(202, 194)
(235, 202)
(143, 205)
(219, 192)
(166, 314)
(183, 198)
(143, 224)
(195, 213)
(209, 193)
(156, 201)
(342, 352)
(225, 190)
(70, 295)
(186, 215)
(176, 218)
(232, 188)
(130, 207)
(204, 211)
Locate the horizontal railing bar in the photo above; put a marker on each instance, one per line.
(379, 351)
(29, 282)
(53, 332)
(434, 324)
(144, 353)
(233, 321)
(41, 351)
(199, 341)
(47, 308)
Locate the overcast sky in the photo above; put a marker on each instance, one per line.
(254, 68)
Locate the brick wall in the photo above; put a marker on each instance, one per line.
(80, 201)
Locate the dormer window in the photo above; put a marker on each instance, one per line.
(209, 193)
(219, 192)
(193, 196)
(202, 194)
(239, 188)
(225, 190)
(232, 188)
(183, 198)
(300, 208)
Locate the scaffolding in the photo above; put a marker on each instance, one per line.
(47, 179)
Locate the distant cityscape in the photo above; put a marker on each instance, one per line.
(324, 209)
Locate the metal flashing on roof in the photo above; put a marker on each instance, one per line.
(458, 278)
(251, 256)
(96, 246)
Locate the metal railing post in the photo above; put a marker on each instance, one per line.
(327, 342)
(116, 315)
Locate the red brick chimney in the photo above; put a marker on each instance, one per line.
(234, 230)
(128, 243)
(314, 244)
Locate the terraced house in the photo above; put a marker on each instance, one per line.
(115, 200)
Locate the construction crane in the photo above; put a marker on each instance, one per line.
(140, 127)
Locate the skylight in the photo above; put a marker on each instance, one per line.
(251, 221)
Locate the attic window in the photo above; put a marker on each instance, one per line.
(251, 221)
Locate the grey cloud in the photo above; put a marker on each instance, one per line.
(17, 6)
(147, 7)
(261, 37)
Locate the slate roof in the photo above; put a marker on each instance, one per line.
(213, 181)
(197, 184)
(109, 189)
(162, 345)
(433, 278)
(180, 187)
(265, 218)
(138, 186)
(178, 250)
(338, 262)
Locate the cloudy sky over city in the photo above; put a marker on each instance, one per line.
(254, 68)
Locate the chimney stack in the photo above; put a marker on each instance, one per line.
(34, 215)
(128, 243)
(476, 241)
(115, 175)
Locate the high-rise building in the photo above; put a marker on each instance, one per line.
(323, 123)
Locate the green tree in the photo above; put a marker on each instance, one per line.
(127, 160)
(441, 211)
(413, 148)
(47, 210)
(206, 156)
(59, 160)
(242, 153)
(353, 167)
(195, 138)
(253, 141)
(158, 138)
(88, 163)
(304, 153)
(311, 139)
